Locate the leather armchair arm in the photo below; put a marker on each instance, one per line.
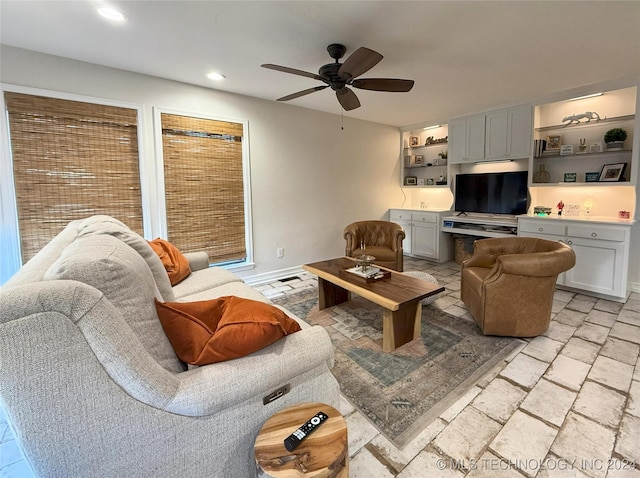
(537, 264)
(353, 240)
(398, 237)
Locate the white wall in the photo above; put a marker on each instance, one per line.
(309, 177)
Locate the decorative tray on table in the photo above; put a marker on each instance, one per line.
(365, 272)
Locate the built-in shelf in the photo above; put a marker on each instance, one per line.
(568, 156)
(586, 123)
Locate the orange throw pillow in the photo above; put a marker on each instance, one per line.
(174, 262)
(217, 330)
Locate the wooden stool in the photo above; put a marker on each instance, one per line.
(322, 454)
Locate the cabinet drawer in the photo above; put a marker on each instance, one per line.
(424, 217)
(597, 232)
(540, 227)
(399, 216)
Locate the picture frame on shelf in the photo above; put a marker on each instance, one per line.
(414, 141)
(592, 177)
(410, 181)
(612, 172)
(595, 147)
(554, 143)
(570, 177)
(566, 149)
(419, 161)
(430, 182)
(420, 181)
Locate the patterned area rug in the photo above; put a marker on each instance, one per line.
(403, 391)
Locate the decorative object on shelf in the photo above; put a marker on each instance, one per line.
(430, 140)
(441, 180)
(588, 115)
(541, 211)
(542, 175)
(419, 161)
(582, 148)
(560, 206)
(539, 145)
(624, 214)
(566, 150)
(592, 177)
(615, 139)
(595, 147)
(571, 210)
(554, 143)
(414, 141)
(410, 180)
(612, 172)
(429, 181)
(420, 181)
(443, 155)
(570, 177)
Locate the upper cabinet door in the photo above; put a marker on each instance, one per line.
(519, 130)
(495, 146)
(457, 140)
(475, 138)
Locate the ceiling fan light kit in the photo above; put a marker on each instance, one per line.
(339, 76)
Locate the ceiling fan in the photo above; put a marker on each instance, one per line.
(339, 76)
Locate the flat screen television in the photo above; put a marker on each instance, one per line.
(492, 193)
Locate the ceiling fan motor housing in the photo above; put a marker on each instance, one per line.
(330, 74)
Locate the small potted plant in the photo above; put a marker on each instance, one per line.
(615, 138)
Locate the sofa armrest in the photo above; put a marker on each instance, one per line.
(197, 260)
(211, 388)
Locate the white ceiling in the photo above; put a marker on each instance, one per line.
(463, 56)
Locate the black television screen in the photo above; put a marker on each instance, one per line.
(492, 193)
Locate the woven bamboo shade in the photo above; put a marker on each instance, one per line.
(204, 187)
(71, 160)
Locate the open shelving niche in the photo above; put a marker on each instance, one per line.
(432, 166)
(616, 110)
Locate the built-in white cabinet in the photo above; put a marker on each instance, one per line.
(466, 139)
(508, 133)
(423, 235)
(602, 252)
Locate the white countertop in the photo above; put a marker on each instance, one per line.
(422, 209)
(598, 219)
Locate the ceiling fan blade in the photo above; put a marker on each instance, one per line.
(383, 84)
(348, 99)
(302, 93)
(360, 61)
(293, 71)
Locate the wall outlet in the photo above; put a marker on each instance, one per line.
(280, 252)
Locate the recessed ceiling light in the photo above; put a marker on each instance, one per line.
(215, 76)
(112, 14)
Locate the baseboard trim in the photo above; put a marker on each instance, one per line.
(634, 286)
(272, 276)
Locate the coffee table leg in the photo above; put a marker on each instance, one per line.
(401, 326)
(330, 294)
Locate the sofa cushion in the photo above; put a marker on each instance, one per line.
(123, 276)
(174, 262)
(204, 280)
(222, 329)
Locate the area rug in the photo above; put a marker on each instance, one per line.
(401, 392)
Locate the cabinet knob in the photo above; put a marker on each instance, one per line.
(594, 234)
(570, 242)
(540, 229)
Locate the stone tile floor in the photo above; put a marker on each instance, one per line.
(567, 404)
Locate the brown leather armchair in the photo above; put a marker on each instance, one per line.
(382, 239)
(508, 283)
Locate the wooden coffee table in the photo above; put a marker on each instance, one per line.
(399, 295)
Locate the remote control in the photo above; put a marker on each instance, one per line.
(293, 440)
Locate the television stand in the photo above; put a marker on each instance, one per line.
(481, 225)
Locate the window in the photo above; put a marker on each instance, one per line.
(71, 160)
(205, 189)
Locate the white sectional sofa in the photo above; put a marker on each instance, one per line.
(92, 387)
